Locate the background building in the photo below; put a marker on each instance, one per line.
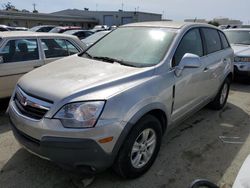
(28, 19)
(227, 21)
(111, 17)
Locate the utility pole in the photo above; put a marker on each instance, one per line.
(96, 6)
(34, 5)
(122, 5)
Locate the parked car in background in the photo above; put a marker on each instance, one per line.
(42, 28)
(240, 42)
(19, 29)
(110, 105)
(93, 38)
(3, 28)
(63, 29)
(112, 27)
(11, 28)
(21, 52)
(99, 28)
(81, 34)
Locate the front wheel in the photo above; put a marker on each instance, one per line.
(221, 98)
(140, 148)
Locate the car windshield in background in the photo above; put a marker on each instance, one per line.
(95, 37)
(55, 30)
(34, 28)
(133, 46)
(238, 37)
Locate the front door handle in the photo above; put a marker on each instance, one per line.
(206, 69)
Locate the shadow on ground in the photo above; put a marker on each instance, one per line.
(4, 122)
(240, 87)
(3, 105)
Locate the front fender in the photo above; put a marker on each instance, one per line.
(135, 116)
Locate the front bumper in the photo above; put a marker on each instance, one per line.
(81, 154)
(241, 72)
(242, 69)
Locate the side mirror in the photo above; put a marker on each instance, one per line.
(188, 61)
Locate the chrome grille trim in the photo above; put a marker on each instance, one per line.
(30, 106)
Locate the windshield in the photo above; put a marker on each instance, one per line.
(238, 37)
(137, 46)
(55, 30)
(35, 28)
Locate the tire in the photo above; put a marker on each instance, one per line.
(126, 164)
(221, 98)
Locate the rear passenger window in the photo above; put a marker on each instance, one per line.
(20, 50)
(57, 48)
(224, 41)
(71, 48)
(190, 43)
(212, 40)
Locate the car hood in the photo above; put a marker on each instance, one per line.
(241, 50)
(78, 76)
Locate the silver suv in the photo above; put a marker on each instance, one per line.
(110, 105)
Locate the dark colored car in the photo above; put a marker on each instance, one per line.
(42, 28)
(81, 34)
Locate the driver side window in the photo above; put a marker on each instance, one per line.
(190, 43)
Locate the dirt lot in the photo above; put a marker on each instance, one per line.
(192, 150)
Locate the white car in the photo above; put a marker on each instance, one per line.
(21, 52)
(240, 42)
(93, 38)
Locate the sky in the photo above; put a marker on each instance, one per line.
(171, 9)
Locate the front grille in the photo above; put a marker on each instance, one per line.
(29, 106)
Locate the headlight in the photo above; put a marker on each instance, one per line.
(241, 59)
(80, 115)
(236, 59)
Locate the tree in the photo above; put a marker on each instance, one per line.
(9, 6)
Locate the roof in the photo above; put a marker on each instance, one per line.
(9, 34)
(40, 26)
(238, 29)
(68, 27)
(167, 24)
(76, 30)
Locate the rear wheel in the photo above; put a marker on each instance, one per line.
(221, 98)
(140, 149)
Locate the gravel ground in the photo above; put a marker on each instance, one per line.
(190, 151)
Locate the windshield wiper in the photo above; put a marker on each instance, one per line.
(107, 59)
(88, 55)
(113, 60)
